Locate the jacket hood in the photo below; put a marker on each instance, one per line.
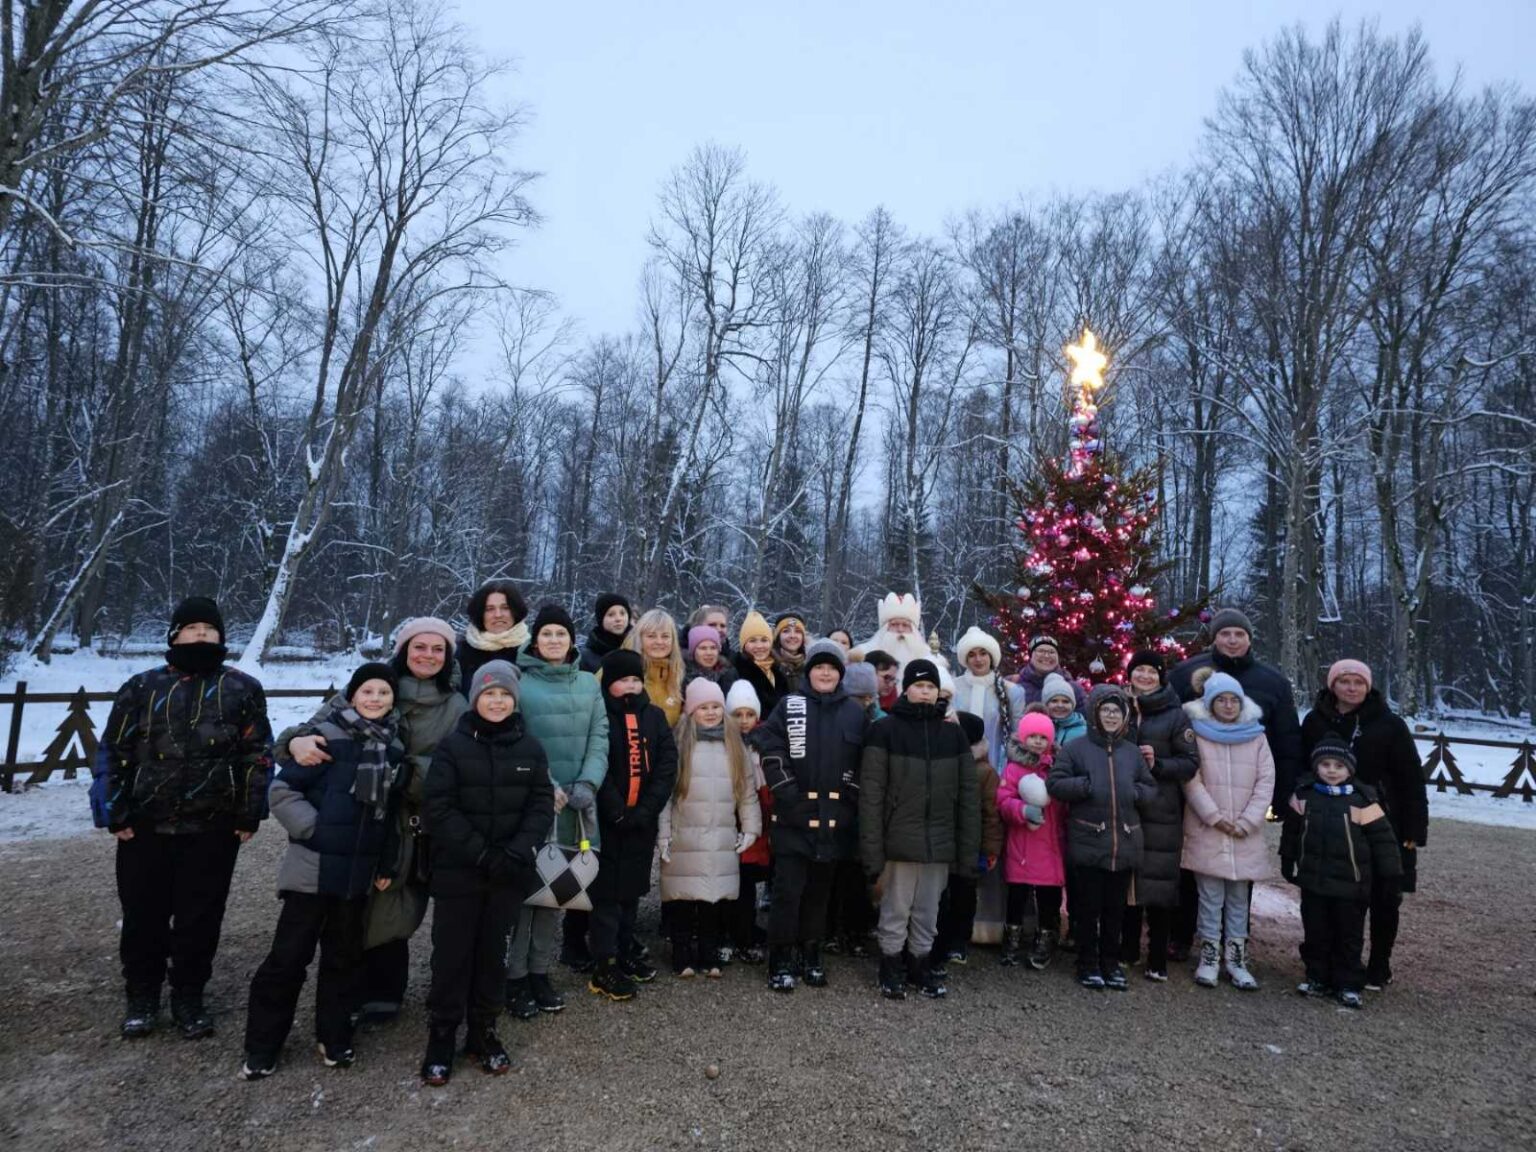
(535, 665)
(1105, 694)
(1251, 713)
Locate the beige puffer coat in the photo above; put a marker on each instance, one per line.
(1235, 782)
(702, 830)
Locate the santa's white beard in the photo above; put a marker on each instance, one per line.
(903, 647)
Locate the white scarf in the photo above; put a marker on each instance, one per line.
(515, 637)
(977, 691)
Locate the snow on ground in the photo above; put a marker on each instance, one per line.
(59, 808)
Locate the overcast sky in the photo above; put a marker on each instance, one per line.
(929, 108)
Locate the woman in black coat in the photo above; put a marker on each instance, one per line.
(1352, 709)
(642, 767)
(1161, 731)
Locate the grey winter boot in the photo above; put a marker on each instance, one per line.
(1012, 934)
(1237, 966)
(1043, 951)
(1209, 968)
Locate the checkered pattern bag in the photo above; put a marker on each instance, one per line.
(565, 873)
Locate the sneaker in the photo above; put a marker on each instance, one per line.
(958, 956)
(191, 1017)
(687, 972)
(1209, 968)
(1351, 999)
(939, 965)
(1316, 989)
(611, 980)
(257, 1067)
(1376, 981)
(727, 954)
(1091, 978)
(638, 970)
(1115, 979)
(1043, 950)
(334, 1055)
(892, 984)
(781, 972)
(1237, 966)
(544, 995)
(520, 1002)
(1156, 975)
(139, 1019)
(486, 1047)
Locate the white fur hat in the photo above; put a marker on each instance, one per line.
(975, 638)
(903, 607)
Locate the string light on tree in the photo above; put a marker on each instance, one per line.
(1087, 559)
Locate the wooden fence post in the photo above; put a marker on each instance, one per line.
(13, 744)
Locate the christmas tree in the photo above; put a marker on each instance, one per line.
(1088, 559)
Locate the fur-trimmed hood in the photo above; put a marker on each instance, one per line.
(1251, 713)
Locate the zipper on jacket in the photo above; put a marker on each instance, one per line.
(1114, 808)
(1349, 838)
(927, 795)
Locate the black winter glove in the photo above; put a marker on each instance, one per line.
(1288, 869)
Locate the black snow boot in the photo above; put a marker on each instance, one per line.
(781, 970)
(139, 1018)
(1012, 933)
(190, 1015)
(892, 986)
(437, 1064)
(815, 974)
(484, 1045)
(920, 975)
(521, 1004)
(1043, 951)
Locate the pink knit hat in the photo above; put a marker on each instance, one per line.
(1349, 668)
(424, 626)
(1036, 724)
(701, 692)
(702, 634)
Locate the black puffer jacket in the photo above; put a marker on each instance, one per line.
(768, 694)
(810, 748)
(598, 644)
(642, 768)
(1269, 688)
(488, 796)
(918, 798)
(1159, 721)
(1386, 756)
(1104, 783)
(184, 753)
(1339, 844)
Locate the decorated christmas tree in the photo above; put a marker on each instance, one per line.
(1088, 560)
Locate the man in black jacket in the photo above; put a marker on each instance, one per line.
(810, 749)
(181, 780)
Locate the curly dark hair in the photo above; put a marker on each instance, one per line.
(475, 610)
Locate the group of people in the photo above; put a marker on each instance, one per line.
(877, 796)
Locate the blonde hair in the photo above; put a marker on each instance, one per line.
(1198, 678)
(687, 735)
(659, 620)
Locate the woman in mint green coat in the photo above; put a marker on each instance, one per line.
(563, 710)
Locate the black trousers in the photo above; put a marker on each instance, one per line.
(1047, 901)
(173, 888)
(741, 917)
(1098, 914)
(575, 928)
(802, 888)
(386, 972)
(611, 925)
(1386, 914)
(1333, 935)
(336, 925)
(1181, 931)
(1159, 923)
(957, 915)
(851, 913)
(696, 928)
(469, 956)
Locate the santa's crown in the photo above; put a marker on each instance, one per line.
(903, 607)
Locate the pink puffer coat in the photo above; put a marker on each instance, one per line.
(1030, 855)
(1235, 782)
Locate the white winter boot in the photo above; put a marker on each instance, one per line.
(1237, 966)
(1210, 964)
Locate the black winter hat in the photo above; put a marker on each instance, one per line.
(609, 600)
(1150, 659)
(373, 670)
(1230, 618)
(621, 662)
(551, 613)
(920, 672)
(195, 610)
(1332, 748)
(972, 725)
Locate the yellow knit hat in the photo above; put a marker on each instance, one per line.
(752, 627)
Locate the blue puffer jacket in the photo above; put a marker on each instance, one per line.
(562, 708)
(336, 846)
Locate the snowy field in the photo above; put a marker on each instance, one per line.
(59, 808)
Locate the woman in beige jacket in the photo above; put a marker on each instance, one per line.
(1224, 823)
(713, 818)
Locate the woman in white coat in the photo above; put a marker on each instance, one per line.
(712, 819)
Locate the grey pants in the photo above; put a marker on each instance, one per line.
(532, 946)
(1223, 907)
(909, 906)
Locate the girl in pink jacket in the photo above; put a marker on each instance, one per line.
(1033, 864)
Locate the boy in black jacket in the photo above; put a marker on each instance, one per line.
(488, 804)
(1338, 845)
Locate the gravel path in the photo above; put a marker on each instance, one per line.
(1013, 1059)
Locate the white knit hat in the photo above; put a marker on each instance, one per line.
(975, 638)
(946, 682)
(1057, 685)
(742, 695)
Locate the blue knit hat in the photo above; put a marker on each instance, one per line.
(1218, 683)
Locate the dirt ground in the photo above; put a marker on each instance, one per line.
(1443, 1059)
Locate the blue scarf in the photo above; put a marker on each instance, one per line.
(1333, 789)
(1219, 733)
